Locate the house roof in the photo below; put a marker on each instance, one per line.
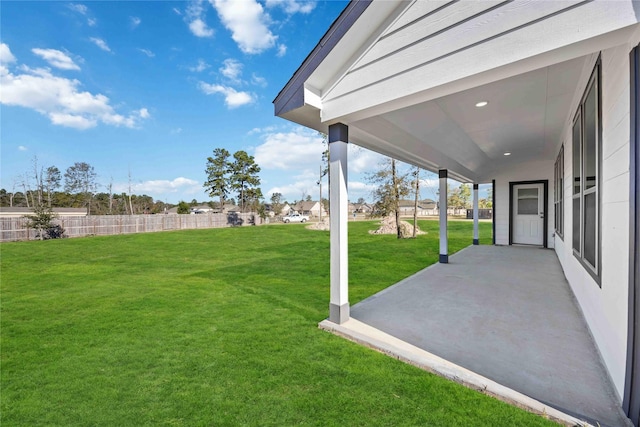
(305, 206)
(405, 77)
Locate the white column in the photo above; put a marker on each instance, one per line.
(476, 235)
(338, 199)
(444, 245)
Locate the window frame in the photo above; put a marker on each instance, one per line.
(582, 192)
(558, 197)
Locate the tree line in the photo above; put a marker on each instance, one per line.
(76, 188)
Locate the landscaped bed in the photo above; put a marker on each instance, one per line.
(214, 327)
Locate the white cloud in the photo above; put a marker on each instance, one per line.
(177, 11)
(22, 148)
(147, 52)
(161, 186)
(248, 24)
(231, 69)
(61, 100)
(176, 131)
(195, 16)
(292, 6)
(80, 8)
(199, 28)
(56, 58)
(282, 51)
(200, 67)
(232, 97)
(135, 21)
(101, 44)
(6, 57)
(361, 160)
(258, 81)
(299, 149)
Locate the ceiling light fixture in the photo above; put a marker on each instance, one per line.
(507, 153)
(482, 104)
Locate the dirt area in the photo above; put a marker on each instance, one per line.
(321, 225)
(388, 226)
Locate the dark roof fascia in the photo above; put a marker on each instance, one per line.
(329, 40)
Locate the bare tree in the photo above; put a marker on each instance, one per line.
(391, 187)
(416, 189)
(52, 180)
(130, 204)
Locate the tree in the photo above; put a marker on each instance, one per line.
(41, 221)
(416, 191)
(276, 205)
(218, 170)
(360, 200)
(244, 176)
(183, 207)
(52, 178)
(81, 178)
(391, 187)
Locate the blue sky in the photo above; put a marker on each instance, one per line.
(151, 88)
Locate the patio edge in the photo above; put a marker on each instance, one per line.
(366, 335)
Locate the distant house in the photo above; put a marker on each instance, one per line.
(202, 209)
(426, 207)
(310, 208)
(364, 208)
(17, 212)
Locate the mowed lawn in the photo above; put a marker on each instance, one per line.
(214, 328)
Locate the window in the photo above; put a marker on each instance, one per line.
(558, 194)
(586, 176)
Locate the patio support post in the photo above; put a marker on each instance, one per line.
(444, 246)
(339, 295)
(476, 236)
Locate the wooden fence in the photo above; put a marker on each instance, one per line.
(12, 229)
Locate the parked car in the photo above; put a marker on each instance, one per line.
(295, 217)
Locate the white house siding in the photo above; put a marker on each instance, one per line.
(530, 171)
(605, 308)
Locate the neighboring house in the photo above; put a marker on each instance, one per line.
(425, 207)
(310, 208)
(229, 207)
(364, 208)
(201, 209)
(17, 212)
(540, 99)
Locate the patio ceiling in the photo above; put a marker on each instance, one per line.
(524, 116)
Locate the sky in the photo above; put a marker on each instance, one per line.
(145, 91)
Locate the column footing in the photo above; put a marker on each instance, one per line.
(476, 241)
(444, 259)
(339, 313)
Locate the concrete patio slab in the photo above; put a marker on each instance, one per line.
(506, 314)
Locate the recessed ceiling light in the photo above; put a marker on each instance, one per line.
(481, 104)
(507, 153)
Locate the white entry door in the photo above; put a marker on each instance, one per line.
(528, 214)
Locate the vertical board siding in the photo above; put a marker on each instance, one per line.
(14, 229)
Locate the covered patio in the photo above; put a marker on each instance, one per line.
(539, 99)
(509, 321)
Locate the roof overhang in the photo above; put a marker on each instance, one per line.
(405, 77)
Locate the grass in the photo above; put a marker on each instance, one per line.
(214, 327)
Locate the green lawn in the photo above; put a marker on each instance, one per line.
(214, 327)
